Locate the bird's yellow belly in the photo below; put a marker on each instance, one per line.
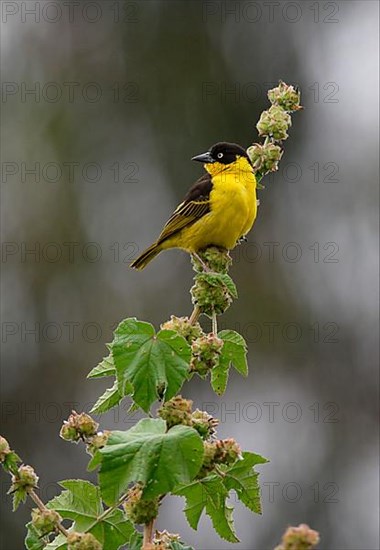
(233, 211)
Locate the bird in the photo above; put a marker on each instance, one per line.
(218, 210)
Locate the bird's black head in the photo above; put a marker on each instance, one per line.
(223, 152)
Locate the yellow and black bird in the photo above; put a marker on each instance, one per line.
(218, 210)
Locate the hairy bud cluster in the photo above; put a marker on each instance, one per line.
(163, 540)
(83, 541)
(299, 538)
(265, 158)
(25, 479)
(204, 423)
(222, 451)
(183, 326)
(78, 427)
(285, 96)
(216, 259)
(205, 353)
(138, 510)
(274, 123)
(210, 294)
(45, 521)
(178, 411)
(4, 449)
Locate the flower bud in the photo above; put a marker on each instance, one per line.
(205, 353)
(45, 521)
(210, 294)
(265, 158)
(286, 97)
(137, 510)
(299, 538)
(183, 326)
(204, 423)
(83, 541)
(216, 259)
(78, 426)
(274, 123)
(176, 411)
(4, 449)
(25, 478)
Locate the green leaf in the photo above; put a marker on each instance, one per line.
(148, 454)
(81, 503)
(234, 351)
(105, 368)
(33, 540)
(219, 377)
(209, 494)
(229, 284)
(244, 480)
(110, 398)
(155, 364)
(19, 496)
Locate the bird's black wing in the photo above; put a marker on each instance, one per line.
(194, 206)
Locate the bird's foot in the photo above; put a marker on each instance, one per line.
(242, 239)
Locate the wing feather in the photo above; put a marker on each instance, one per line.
(195, 205)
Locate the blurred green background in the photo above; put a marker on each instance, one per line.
(103, 105)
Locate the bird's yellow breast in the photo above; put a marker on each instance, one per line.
(233, 208)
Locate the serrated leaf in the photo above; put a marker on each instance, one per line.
(219, 378)
(234, 351)
(33, 539)
(148, 454)
(209, 494)
(81, 503)
(105, 368)
(110, 398)
(19, 496)
(155, 364)
(229, 284)
(244, 480)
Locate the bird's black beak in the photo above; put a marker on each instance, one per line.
(204, 157)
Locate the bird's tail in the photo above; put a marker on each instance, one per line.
(146, 257)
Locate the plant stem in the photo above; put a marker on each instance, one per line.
(148, 535)
(41, 506)
(195, 315)
(107, 511)
(214, 324)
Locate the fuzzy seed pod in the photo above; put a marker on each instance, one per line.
(204, 423)
(274, 123)
(285, 96)
(137, 510)
(205, 353)
(26, 478)
(183, 326)
(83, 541)
(299, 538)
(45, 521)
(176, 411)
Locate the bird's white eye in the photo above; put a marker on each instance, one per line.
(220, 155)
